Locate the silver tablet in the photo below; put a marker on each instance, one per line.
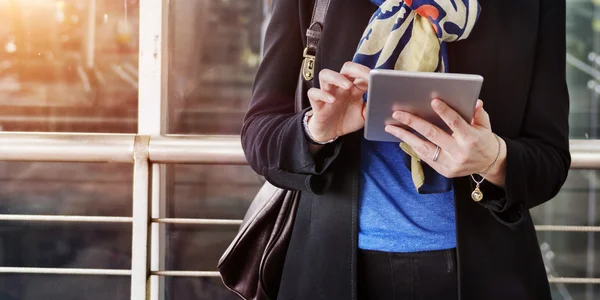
(391, 90)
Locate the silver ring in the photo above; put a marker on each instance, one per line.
(436, 154)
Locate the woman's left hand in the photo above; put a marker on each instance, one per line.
(471, 149)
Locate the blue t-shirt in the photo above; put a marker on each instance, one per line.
(393, 217)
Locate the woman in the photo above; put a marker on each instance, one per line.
(367, 227)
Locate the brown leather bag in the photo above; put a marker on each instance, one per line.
(252, 265)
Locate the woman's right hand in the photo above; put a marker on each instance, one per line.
(338, 107)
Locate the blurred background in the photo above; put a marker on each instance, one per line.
(72, 66)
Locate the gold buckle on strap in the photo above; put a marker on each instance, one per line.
(308, 66)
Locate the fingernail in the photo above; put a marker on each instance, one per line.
(347, 85)
(387, 128)
(396, 115)
(331, 99)
(435, 103)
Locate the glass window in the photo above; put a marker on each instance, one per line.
(573, 291)
(215, 48)
(583, 60)
(64, 287)
(207, 192)
(572, 254)
(76, 189)
(66, 189)
(65, 245)
(214, 53)
(208, 288)
(211, 192)
(68, 65)
(193, 248)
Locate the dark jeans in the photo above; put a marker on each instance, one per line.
(407, 276)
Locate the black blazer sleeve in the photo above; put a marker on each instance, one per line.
(538, 160)
(273, 136)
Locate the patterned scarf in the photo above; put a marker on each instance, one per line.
(411, 35)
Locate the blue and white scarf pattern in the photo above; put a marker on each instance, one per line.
(412, 35)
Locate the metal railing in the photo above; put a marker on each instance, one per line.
(144, 151)
(186, 149)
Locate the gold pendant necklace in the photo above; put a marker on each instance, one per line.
(477, 195)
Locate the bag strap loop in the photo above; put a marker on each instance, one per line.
(313, 36)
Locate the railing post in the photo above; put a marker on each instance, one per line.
(140, 267)
(153, 120)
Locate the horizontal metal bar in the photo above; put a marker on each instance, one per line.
(186, 273)
(585, 154)
(197, 149)
(82, 219)
(65, 271)
(197, 221)
(191, 221)
(563, 228)
(227, 150)
(216, 274)
(120, 272)
(556, 228)
(68, 120)
(74, 147)
(574, 280)
(67, 147)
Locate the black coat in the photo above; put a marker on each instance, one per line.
(519, 48)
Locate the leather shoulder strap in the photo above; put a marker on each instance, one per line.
(313, 36)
